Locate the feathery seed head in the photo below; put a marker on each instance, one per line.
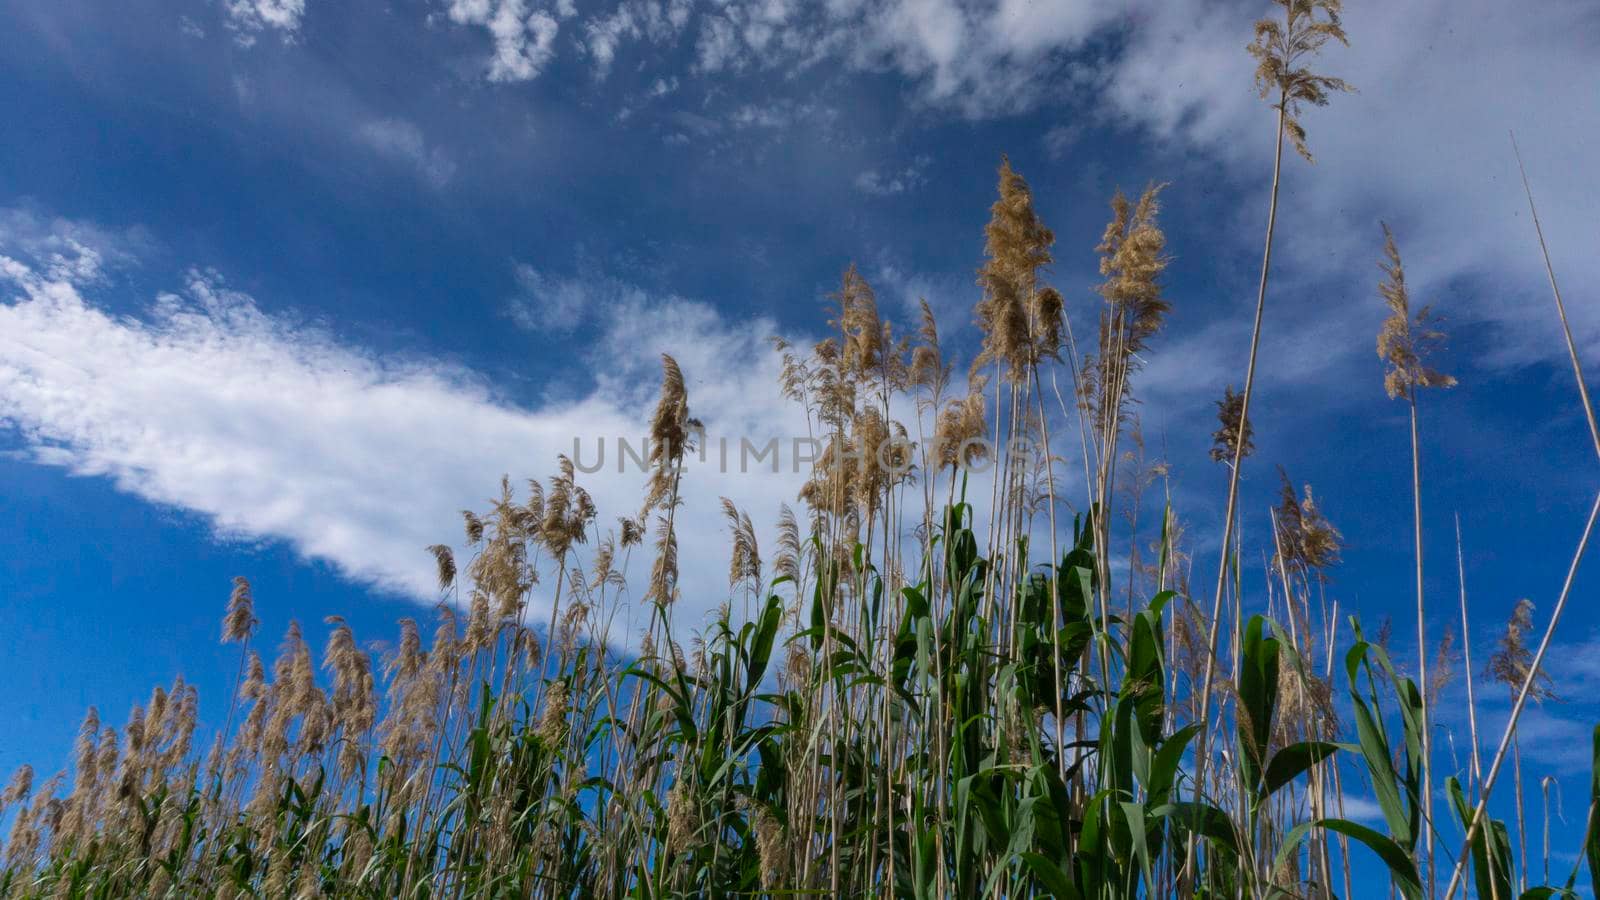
(1233, 437)
(480, 627)
(86, 749)
(669, 432)
(553, 718)
(1511, 664)
(255, 678)
(408, 659)
(787, 563)
(770, 849)
(1020, 318)
(683, 815)
(928, 368)
(1308, 540)
(1405, 342)
(1280, 49)
(239, 620)
(1133, 258)
(474, 526)
(445, 562)
(960, 429)
(664, 571)
(19, 787)
(865, 343)
(1442, 670)
(745, 565)
(630, 531)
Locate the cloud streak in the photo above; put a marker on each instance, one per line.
(403, 141)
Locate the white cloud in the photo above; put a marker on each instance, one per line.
(717, 47)
(650, 19)
(546, 304)
(1562, 744)
(524, 40)
(247, 18)
(244, 89)
(1359, 808)
(774, 116)
(949, 296)
(280, 432)
(884, 184)
(761, 116)
(1023, 28)
(765, 22)
(983, 59)
(1061, 138)
(932, 38)
(661, 87)
(403, 141)
(603, 35)
(75, 252)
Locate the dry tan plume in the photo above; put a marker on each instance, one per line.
(445, 564)
(1020, 317)
(1511, 663)
(239, 620)
(1404, 342)
(1280, 50)
(1232, 428)
(1307, 540)
(744, 567)
(960, 429)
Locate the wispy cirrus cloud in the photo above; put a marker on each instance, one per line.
(403, 141)
(553, 304)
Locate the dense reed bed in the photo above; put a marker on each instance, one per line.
(934, 685)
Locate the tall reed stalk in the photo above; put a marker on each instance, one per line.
(1280, 51)
(1404, 344)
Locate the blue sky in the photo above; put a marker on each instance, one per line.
(287, 283)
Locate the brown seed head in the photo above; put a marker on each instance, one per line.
(445, 563)
(1281, 48)
(239, 620)
(1405, 342)
(1020, 317)
(1226, 441)
(553, 718)
(1511, 664)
